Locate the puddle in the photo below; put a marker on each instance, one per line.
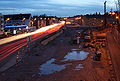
(75, 49)
(79, 67)
(50, 68)
(76, 55)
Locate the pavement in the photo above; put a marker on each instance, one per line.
(35, 67)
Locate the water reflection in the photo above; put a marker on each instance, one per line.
(79, 67)
(49, 67)
(76, 55)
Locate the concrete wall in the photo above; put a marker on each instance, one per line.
(51, 38)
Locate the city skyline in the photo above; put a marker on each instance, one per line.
(54, 7)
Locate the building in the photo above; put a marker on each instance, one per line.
(43, 20)
(93, 20)
(98, 20)
(1, 23)
(17, 22)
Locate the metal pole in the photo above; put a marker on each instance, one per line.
(118, 6)
(118, 11)
(28, 44)
(105, 18)
(17, 58)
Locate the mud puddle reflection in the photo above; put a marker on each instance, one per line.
(79, 67)
(76, 55)
(49, 67)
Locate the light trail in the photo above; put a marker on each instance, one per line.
(6, 47)
(12, 47)
(39, 31)
(18, 47)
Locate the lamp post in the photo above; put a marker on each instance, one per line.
(105, 18)
(117, 18)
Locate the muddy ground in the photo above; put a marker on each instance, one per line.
(60, 61)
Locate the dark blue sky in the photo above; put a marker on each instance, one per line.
(54, 7)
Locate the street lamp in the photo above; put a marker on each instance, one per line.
(53, 18)
(41, 18)
(24, 19)
(112, 13)
(7, 19)
(35, 19)
(105, 18)
(117, 17)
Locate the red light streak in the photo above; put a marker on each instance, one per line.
(11, 48)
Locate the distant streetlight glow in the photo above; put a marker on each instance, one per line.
(77, 18)
(65, 18)
(117, 17)
(32, 22)
(24, 19)
(53, 18)
(112, 13)
(7, 19)
(102, 21)
(35, 19)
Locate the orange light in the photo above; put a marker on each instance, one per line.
(68, 22)
(65, 18)
(35, 19)
(117, 17)
(24, 19)
(77, 18)
(110, 12)
(101, 20)
(113, 13)
(32, 22)
(53, 18)
(7, 19)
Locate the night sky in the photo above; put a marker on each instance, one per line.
(54, 7)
